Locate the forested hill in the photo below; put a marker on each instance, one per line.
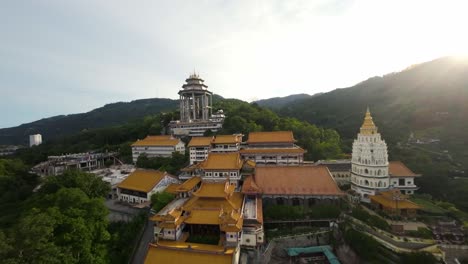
(108, 115)
(429, 99)
(279, 102)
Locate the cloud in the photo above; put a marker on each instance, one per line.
(103, 51)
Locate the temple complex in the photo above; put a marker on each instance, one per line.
(206, 226)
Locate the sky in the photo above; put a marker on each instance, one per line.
(63, 57)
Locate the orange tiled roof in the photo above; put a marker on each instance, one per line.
(299, 180)
(386, 200)
(142, 180)
(222, 161)
(398, 169)
(271, 150)
(250, 186)
(164, 140)
(200, 141)
(227, 139)
(271, 137)
(180, 252)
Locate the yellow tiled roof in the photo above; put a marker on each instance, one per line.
(271, 137)
(157, 141)
(385, 199)
(222, 161)
(172, 188)
(142, 180)
(200, 141)
(168, 252)
(271, 150)
(189, 184)
(227, 139)
(203, 217)
(214, 190)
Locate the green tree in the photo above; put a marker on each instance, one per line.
(161, 199)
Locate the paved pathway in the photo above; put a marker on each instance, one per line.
(146, 239)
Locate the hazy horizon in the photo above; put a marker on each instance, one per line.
(65, 57)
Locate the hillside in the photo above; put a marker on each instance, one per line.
(429, 99)
(279, 102)
(109, 115)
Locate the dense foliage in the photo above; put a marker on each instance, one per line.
(161, 199)
(64, 222)
(365, 246)
(171, 165)
(244, 118)
(16, 185)
(122, 236)
(288, 212)
(370, 219)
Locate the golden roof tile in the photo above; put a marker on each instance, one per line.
(189, 184)
(200, 141)
(142, 180)
(222, 161)
(271, 137)
(227, 139)
(271, 150)
(169, 252)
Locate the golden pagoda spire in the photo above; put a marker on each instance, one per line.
(368, 127)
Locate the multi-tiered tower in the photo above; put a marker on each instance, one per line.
(369, 164)
(196, 115)
(195, 100)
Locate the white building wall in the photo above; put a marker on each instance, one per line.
(35, 140)
(157, 151)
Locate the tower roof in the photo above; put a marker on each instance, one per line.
(368, 127)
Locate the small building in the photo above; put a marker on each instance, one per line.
(35, 140)
(293, 185)
(220, 167)
(141, 184)
(276, 148)
(185, 189)
(393, 202)
(402, 177)
(199, 147)
(339, 169)
(253, 235)
(56, 165)
(226, 143)
(157, 146)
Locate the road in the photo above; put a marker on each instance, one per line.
(146, 238)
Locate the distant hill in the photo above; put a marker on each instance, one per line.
(109, 115)
(428, 99)
(113, 114)
(279, 102)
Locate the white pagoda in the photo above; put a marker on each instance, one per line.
(369, 163)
